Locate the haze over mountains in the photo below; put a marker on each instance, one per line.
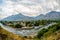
(53, 15)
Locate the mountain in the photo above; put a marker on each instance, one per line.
(53, 15)
(41, 16)
(18, 17)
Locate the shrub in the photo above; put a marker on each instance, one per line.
(40, 33)
(18, 26)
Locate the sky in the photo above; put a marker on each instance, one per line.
(30, 8)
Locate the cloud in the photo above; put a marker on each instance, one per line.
(28, 7)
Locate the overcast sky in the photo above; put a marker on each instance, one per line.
(28, 7)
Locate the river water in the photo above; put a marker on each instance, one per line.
(31, 32)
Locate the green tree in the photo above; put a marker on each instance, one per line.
(18, 26)
(36, 23)
(40, 33)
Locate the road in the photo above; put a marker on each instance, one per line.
(31, 32)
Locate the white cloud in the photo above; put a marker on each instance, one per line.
(28, 7)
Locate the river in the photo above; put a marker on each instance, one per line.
(31, 32)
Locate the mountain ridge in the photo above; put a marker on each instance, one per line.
(53, 15)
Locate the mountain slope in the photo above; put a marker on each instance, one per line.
(53, 15)
(18, 17)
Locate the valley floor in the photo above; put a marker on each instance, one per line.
(50, 33)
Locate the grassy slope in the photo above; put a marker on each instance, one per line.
(51, 36)
(10, 35)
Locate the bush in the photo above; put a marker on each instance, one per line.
(25, 36)
(36, 24)
(40, 33)
(18, 26)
